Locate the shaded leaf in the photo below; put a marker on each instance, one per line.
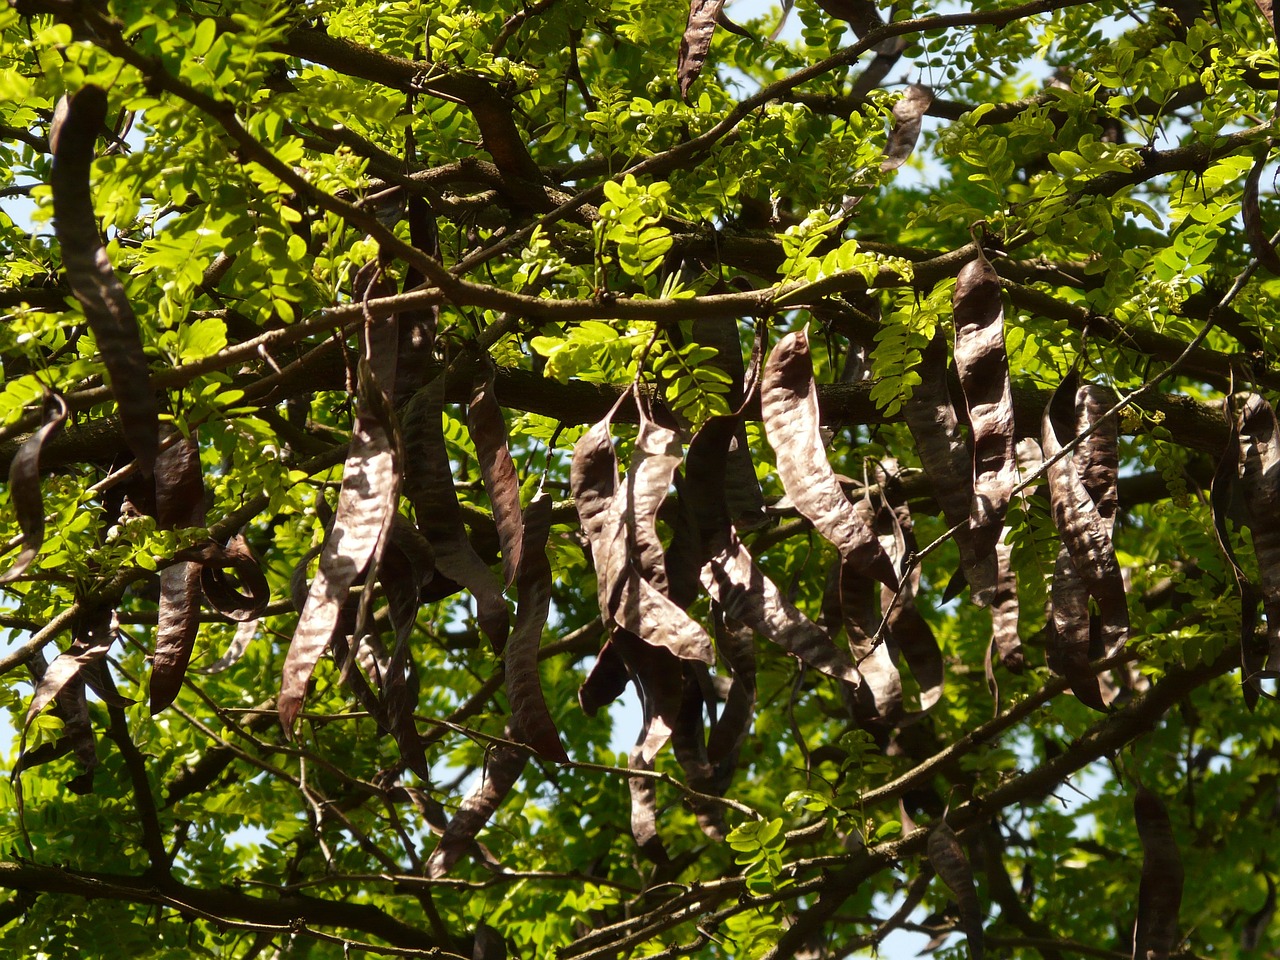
(1155, 931)
(789, 408)
(76, 124)
(1255, 926)
(24, 485)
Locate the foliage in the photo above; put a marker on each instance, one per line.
(489, 374)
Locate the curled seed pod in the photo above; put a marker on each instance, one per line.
(1155, 931)
(24, 485)
(789, 408)
(946, 462)
(983, 368)
(530, 719)
(76, 124)
(1085, 531)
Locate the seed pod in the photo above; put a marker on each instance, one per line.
(361, 526)
(489, 434)
(1252, 661)
(620, 525)
(695, 44)
(952, 867)
(910, 632)
(179, 503)
(1084, 529)
(946, 462)
(907, 114)
(983, 368)
(503, 766)
(789, 408)
(76, 124)
(1251, 212)
(531, 721)
(428, 483)
(1155, 932)
(24, 485)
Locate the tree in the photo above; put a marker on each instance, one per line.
(389, 386)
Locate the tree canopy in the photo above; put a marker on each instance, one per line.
(882, 395)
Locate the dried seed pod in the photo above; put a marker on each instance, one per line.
(76, 124)
(1254, 229)
(179, 503)
(489, 434)
(695, 44)
(907, 115)
(983, 368)
(1155, 931)
(945, 458)
(530, 719)
(428, 483)
(620, 524)
(361, 525)
(910, 632)
(952, 867)
(503, 766)
(24, 485)
(789, 408)
(1084, 529)
(1252, 662)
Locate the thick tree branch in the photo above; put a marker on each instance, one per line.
(285, 911)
